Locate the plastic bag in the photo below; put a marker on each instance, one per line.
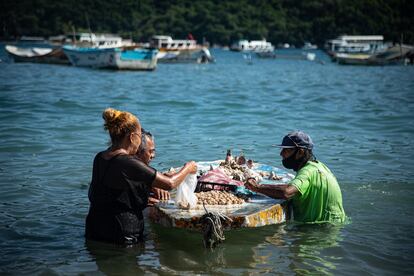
(186, 197)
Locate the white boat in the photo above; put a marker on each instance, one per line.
(257, 46)
(180, 50)
(36, 54)
(352, 59)
(309, 46)
(135, 59)
(310, 56)
(392, 55)
(355, 44)
(102, 41)
(112, 58)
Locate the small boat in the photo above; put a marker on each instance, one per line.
(94, 40)
(135, 59)
(310, 56)
(392, 55)
(202, 55)
(37, 54)
(180, 50)
(256, 46)
(309, 46)
(257, 211)
(112, 58)
(352, 59)
(355, 44)
(262, 48)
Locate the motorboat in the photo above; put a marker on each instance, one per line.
(309, 46)
(355, 44)
(180, 50)
(112, 58)
(37, 54)
(393, 55)
(256, 46)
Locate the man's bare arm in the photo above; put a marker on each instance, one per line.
(281, 191)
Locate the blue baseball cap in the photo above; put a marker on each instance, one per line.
(297, 139)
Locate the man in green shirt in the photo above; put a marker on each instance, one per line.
(315, 192)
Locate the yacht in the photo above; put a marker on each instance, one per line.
(355, 44)
(180, 50)
(256, 46)
(101, 41)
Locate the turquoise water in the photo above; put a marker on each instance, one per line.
(360, 118)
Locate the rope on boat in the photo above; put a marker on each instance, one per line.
(212, 228)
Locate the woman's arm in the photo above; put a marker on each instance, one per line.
(172, 181)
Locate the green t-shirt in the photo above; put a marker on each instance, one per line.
(319, 198)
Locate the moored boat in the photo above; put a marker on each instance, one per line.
(37, 54)
(257, 46)
(202, 55)
(352, 59)
(135, 59)
(309, 46)
(180, 50)
(112, 58)
(262, 48)
(393, 55)
(355, 44)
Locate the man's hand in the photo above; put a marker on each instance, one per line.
(251, 184)
(152, 201)
(161, 194)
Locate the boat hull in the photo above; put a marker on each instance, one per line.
(114, 58)
(199, 55)
(392, 55)
(257, 211)
(37, 55)
(352, 59)
(137, 59)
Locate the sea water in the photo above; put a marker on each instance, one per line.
(360, 119)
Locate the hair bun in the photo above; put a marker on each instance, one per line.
(119, 123)
(110, 116)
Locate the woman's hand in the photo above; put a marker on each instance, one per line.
(192, 166)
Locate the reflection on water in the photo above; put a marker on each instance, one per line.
(112, 259)
(287, 248)
(310, 246)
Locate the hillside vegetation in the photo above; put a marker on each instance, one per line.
(216, 21)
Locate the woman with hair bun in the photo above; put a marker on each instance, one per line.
(121, 183)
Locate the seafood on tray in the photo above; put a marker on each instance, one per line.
(218, 198)
(238, 168)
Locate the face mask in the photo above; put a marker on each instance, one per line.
(291, 162)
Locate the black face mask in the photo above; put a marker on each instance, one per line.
(291, 162)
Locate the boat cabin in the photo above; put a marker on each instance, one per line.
(355, 44)
(102, 41)
(253, 45)
(166, 42)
